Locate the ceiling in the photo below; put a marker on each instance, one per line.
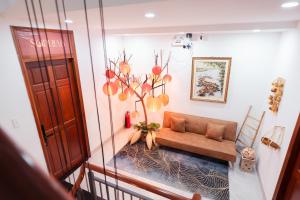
(127, 16)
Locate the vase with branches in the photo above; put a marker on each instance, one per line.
(120, 80)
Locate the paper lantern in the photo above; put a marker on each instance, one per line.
(134, 84)
(146, 87)
(129, 92)
(110, 88)
(164, 99)
(153, 103)
(122, 96)
(156, 70)
(167, 78)
(109, 73)
(124, 67)
(135, 114)
(118, 83)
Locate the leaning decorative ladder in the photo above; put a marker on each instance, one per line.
(249, 130)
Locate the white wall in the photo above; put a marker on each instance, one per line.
(287, 66)
(252, 60)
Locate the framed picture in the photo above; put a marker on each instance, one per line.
(210, 77)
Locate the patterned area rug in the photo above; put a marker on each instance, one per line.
(185, 171)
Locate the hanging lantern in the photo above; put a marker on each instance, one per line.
(118, 83)
(164, 98)
(109, 73)
(153, 103)
(167, 78)
(122, 96)
(129, 92)
(134, 84)
(146, 87)
(110, 88)
(124, 67)
(135, 114)
(156, 70)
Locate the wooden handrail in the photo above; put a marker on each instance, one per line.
(141, 184)
(78, 181)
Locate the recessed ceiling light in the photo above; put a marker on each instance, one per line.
(68, 21)
(149, 15)
(290, 4)
(256, 30)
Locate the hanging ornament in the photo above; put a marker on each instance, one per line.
(164, 98)
(124, 67)
(110, 88)
(153, 103)
(129, 92)
(146, 87)
(109, 74)
(167, 78)
(156, 70)
(122, 96)
(134, 84)
(135, 114)
(118, 83)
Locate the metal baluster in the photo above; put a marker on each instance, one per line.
(100, 190)
(92, 185)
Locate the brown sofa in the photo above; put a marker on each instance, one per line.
(194, 140)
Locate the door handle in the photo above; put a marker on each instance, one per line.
(44, 135)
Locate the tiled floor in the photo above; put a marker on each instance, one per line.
(242, 185)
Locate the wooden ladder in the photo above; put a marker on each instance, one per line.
(249, 130)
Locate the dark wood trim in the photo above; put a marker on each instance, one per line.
(23, 62)
(288, 165)
(140, 184)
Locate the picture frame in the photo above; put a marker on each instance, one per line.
(210, 79)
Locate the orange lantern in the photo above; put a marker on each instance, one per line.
(110, 88)
(146, 87)
(109, 73)
(135, 114)
(122, 96)
(164, 99)
(129, 92)
(118, 83)
(156, 70)
(167, 78)
(153, 103)
(124, 67)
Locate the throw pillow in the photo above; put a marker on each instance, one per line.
(215, 131)
(178, 124)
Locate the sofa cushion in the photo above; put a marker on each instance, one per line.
(178, 124)
(198, 125)
(215, 131)
(197, 143)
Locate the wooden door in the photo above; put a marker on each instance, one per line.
(293, 187)
(56, 99)
(288, 185)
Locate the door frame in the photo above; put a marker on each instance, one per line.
(73, 56)
(289, 162)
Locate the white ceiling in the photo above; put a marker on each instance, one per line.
(176, 15)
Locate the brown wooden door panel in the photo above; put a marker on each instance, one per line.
(68, 103)
(46, 109)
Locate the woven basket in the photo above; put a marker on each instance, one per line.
(247, 164)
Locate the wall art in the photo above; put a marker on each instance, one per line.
(210, 77)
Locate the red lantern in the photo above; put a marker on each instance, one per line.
(109, 73)
(156, 70)
(110, 88)
(146, 87)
